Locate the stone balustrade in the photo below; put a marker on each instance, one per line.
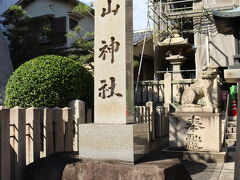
(29, 134)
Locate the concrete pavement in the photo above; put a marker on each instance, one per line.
(212, 171)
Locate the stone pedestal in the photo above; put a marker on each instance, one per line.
(176, 61)
(196, 108)
(123, 143)
(195, 131)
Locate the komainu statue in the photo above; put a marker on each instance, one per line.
(201, 88)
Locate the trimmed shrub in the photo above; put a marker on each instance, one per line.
(49, 81)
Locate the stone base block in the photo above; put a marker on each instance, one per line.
(123, 143)
(232, 75)
(155, 170)
(201, 157)
(195, 131)
(195, 108)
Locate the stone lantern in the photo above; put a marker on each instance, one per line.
(176, 45)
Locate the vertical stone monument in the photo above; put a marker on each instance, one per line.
(113, 135)
(6, 68)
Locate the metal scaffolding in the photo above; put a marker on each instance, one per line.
(164, 13)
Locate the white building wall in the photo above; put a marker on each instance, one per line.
(55, 7)
(86, 24)
(42, 7)
(4, 5)
(212, 48)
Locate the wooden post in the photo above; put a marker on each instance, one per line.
(18, 142)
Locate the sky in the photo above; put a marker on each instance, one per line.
(139, 13)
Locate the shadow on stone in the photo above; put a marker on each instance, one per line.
(194, 167)
(50, 168)
(191, 166)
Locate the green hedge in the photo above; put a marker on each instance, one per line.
(49, 81)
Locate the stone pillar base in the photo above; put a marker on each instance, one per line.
(122, 143)
(195, 131)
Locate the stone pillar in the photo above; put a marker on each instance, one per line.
(68, 123)
(78, 107)
(113, 71)
(48, 144)
(167, 89)
(177, 70)
(113, 135)
(152, 122)
(79, 118)
(33, 138)
(59, 133)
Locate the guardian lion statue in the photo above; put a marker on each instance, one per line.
(201, 88)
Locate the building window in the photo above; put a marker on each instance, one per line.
(59, 30)
(72, 23)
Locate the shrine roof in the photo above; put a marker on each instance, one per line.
(226, 21)
(235, 13)
(138, 36)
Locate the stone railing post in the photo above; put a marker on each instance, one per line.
(18, 141)
(33, 137)
(58, 130)
(152, 122)
(78, 114)
(48, 144)
(68, 123)
(215, 92)
(5, 147)
(167, 89)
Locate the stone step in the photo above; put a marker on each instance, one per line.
(230, 142)
(231, 135)
(232, 124)
(231, 129)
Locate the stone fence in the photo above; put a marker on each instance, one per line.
(155, 117)
(29, 134)
(149, 91)
(168, 91)
(156, 90)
